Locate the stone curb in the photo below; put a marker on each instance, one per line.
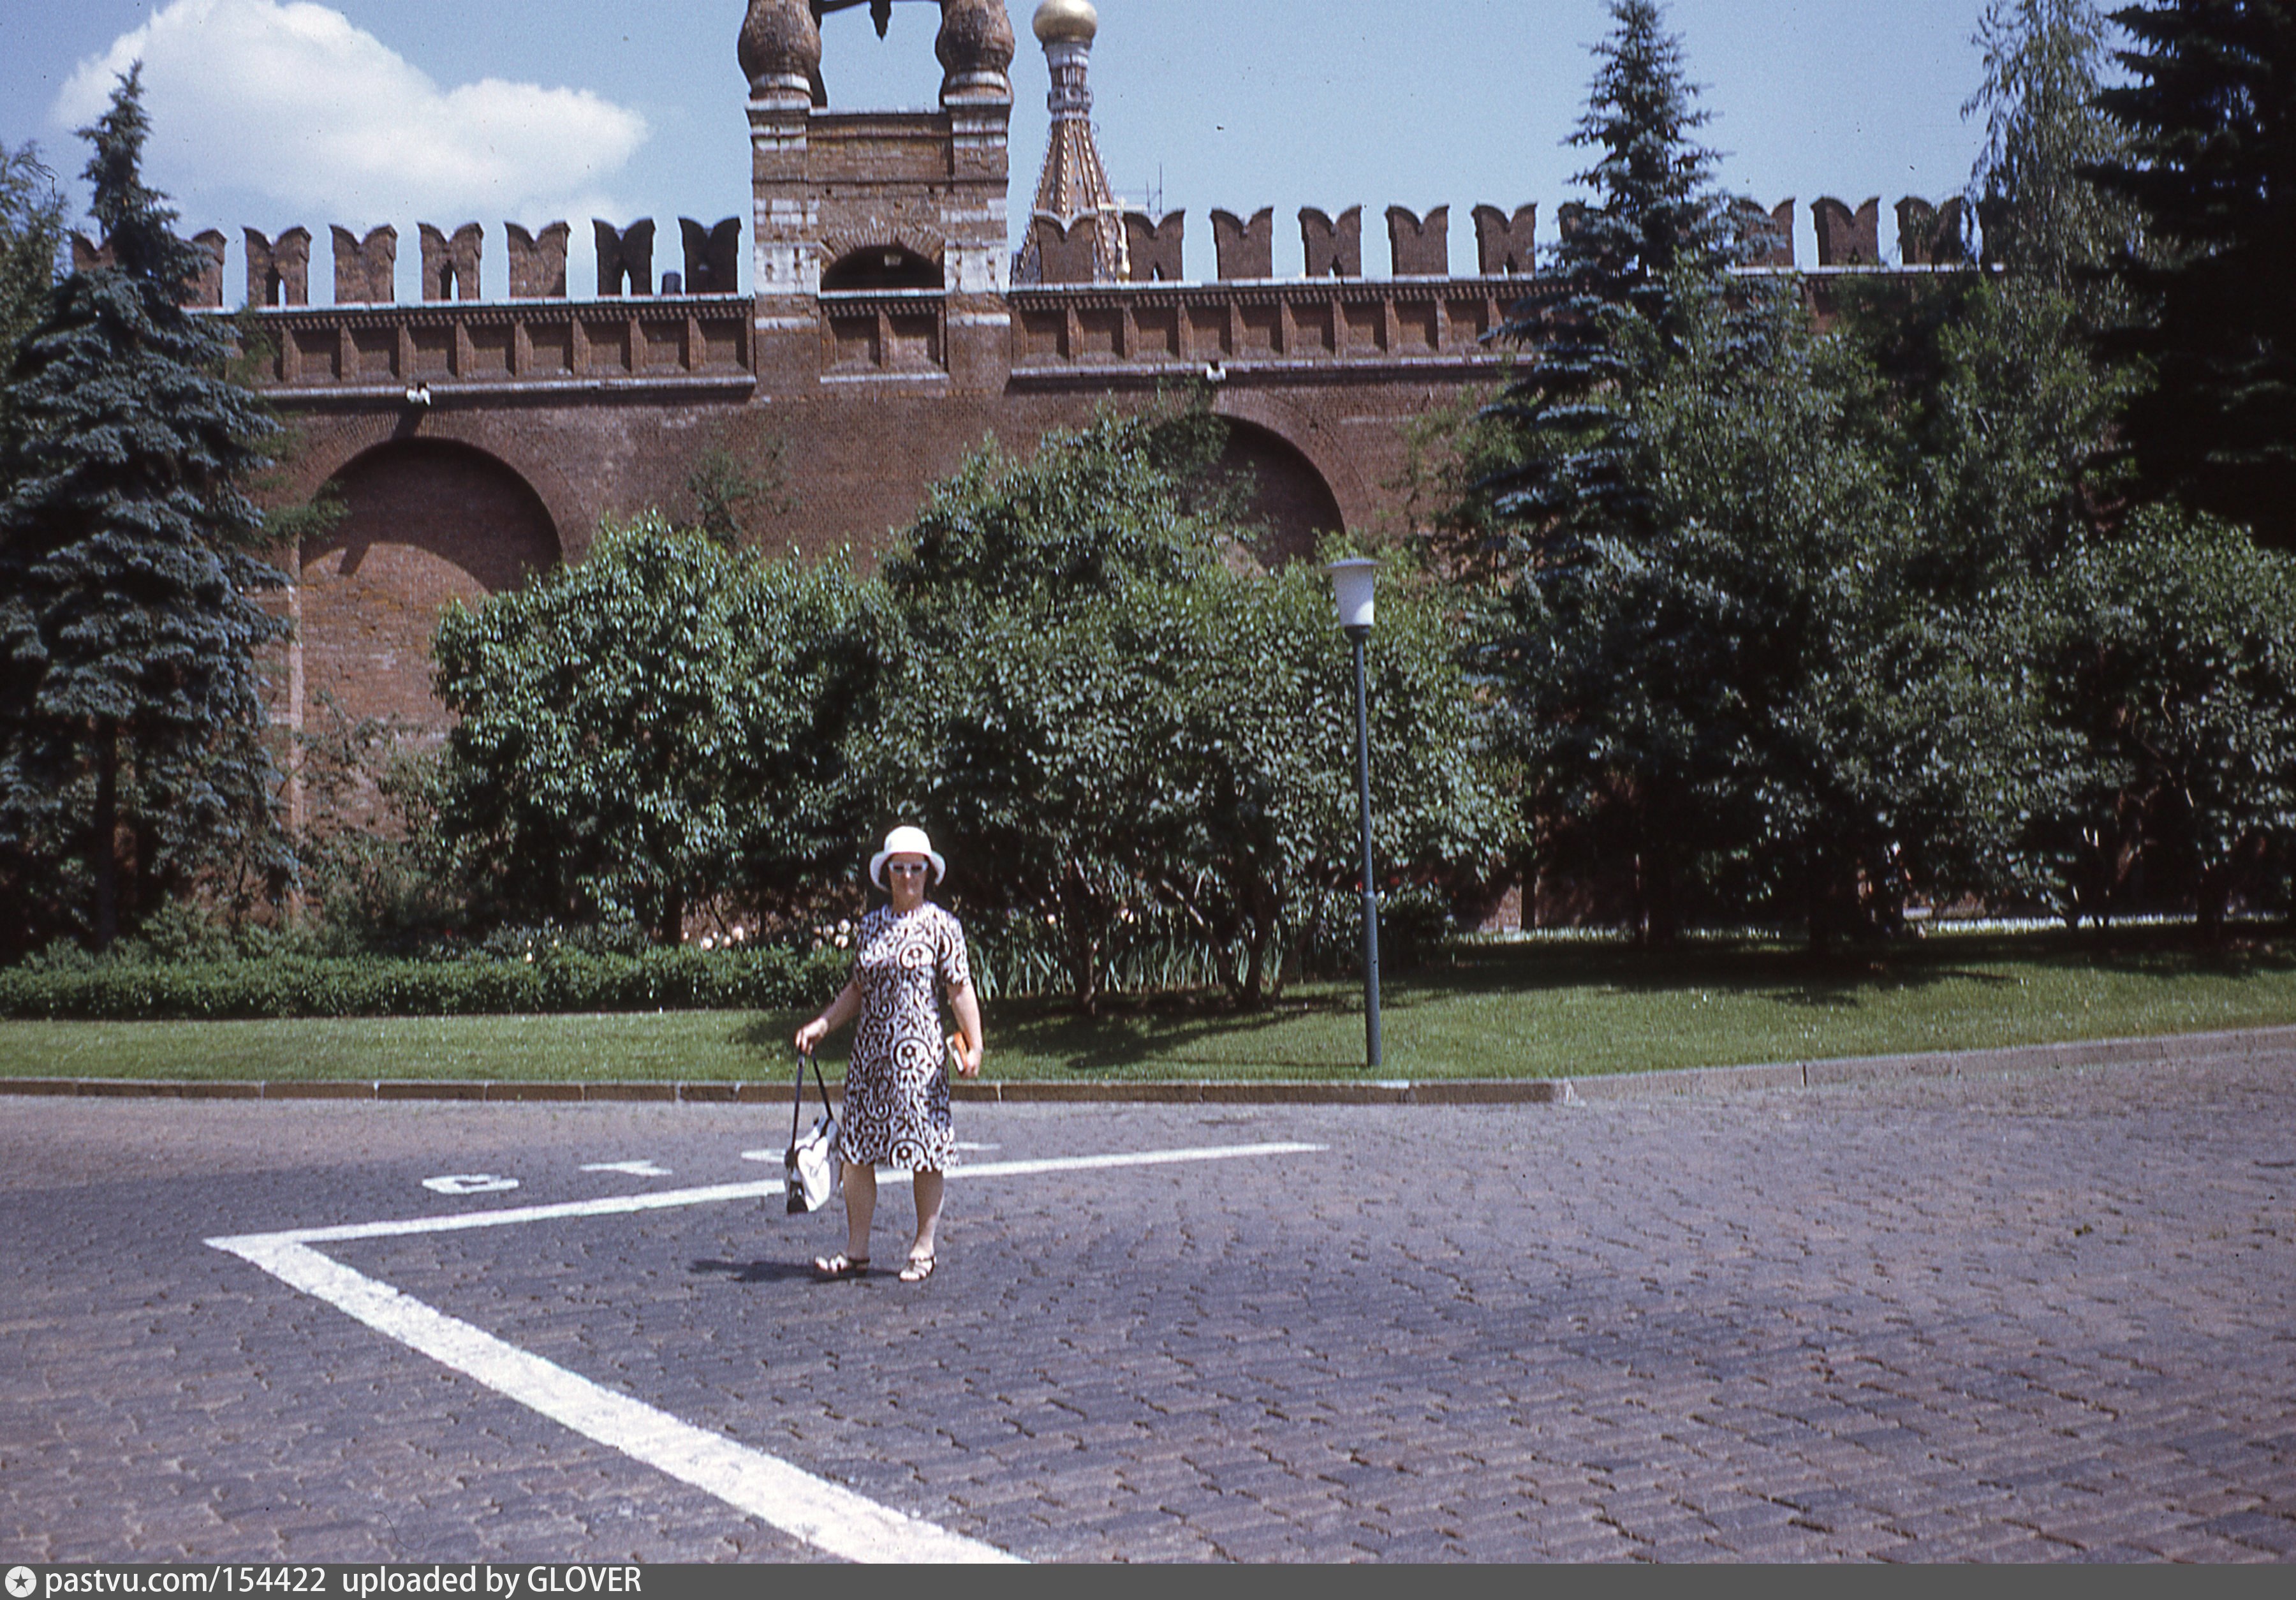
(2166, 1050)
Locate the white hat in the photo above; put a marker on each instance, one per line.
(907, 841)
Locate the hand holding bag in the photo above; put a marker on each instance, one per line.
(812, 1163)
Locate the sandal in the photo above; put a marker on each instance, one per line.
(829, 1269)
(918, 1270)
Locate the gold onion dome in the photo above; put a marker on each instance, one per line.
(1066, 22)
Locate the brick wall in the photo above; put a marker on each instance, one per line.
(427, 521)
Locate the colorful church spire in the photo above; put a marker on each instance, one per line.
(1072, 191)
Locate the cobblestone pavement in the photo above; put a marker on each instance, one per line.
(2030, 1316)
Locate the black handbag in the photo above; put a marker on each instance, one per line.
(811, 1162)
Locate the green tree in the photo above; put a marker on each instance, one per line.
(1118, 716)
(1746, 699)
(1694, 645)
(659, 726)
(1252, 823)
(130, 707)
(1607, 307)
(1012, 721)
(31, 233)
(2163, 688)
(2211, 118)
(2044, 133)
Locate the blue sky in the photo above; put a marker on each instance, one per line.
(274, 112)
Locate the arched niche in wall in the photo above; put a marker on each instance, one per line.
(425, 521)
(1282, 492)
(878, 267)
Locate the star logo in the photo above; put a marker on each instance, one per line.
(22, 1582)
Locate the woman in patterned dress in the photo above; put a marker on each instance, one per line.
(896, 1085)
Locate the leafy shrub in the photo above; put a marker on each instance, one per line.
(1145, 746)
(1156, 949)
(556, 980)
(655, 727)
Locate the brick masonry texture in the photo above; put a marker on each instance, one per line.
(2036, 1315)
(881, 342)
(461, 501)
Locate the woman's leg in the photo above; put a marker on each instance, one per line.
(860, 1208)
(930, 1188)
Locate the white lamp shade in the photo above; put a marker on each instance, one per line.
(1352, 581)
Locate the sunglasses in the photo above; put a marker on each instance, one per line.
(904, 866)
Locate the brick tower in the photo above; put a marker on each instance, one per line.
(880, 236)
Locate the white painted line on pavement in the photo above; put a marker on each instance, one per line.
(824, 1514)
(821, 1512)
(468, 1182)
(659, 1199)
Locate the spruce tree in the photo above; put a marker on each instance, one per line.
(2211, 114)
(131, 716)
(1611, 305)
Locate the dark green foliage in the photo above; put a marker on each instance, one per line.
(1608, 304)
(1700, 647)
(1113, 720)
(1984, 396)
(1995, 400)
(131, 717)
(2163, 681)
(657, 727)
(554, 979)
(1743, 700)
(1060, 672)
(1125, 501)
(2212, 124)
(1838, 624)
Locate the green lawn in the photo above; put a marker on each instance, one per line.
(1531, 1009)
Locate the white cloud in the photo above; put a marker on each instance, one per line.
(293, 102)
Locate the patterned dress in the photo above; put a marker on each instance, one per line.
(897, 1085)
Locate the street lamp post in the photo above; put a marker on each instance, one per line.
(1351, 582)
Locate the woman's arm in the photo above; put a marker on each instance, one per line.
(968, 1042)
(840, 1013)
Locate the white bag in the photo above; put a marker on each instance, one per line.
(814, 1171)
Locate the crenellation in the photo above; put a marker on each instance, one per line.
(366, 269)
(1245, 250)
(450, 264)
(1931, 235)
(1417, 248)
(1766, 237)
(1066, 253)
(713, 256)
(1154, 247)
(538, 261)
(625, 258)
(1504, 245)
(206, 289)
(1333, 245)
(278, 270)
(1847, 238)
